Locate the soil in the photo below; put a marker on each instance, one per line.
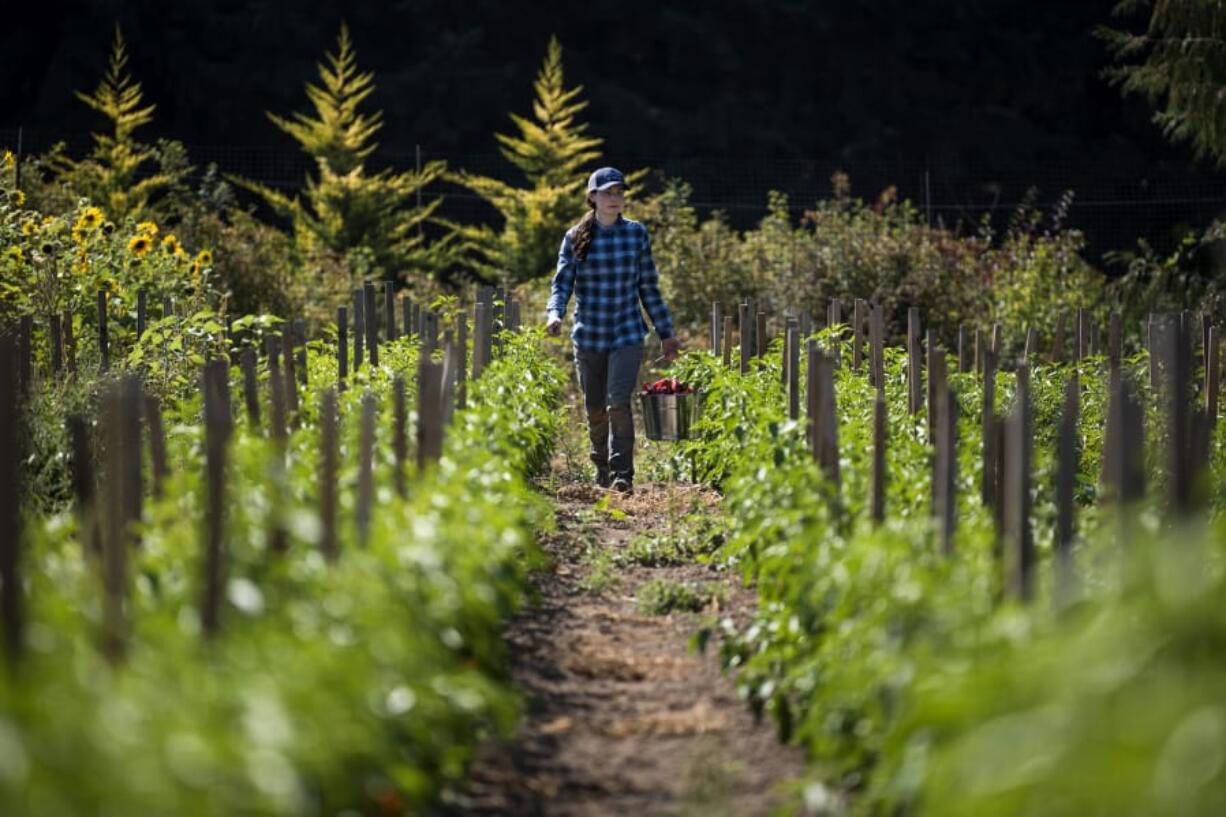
(622, 715)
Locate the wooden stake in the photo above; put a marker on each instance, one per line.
(104, 346)
(389, 311)
(359, 329)
(915, 381)
(251, 386)
(216, 433)
(462, 358)
(157, 443)
(329, 465)
(857, 334)
(879, 472)
(1067, 466)
(990, 452)
(399, 434)
(964, 351)
(372, 323)
(12, 599)
(726, 344)
(429, 414)
(342, 346)
(746, 335)
(791, 368)
(717, 324)
(290, 380)
(1019, 551)
(276, 388)
(366, 454)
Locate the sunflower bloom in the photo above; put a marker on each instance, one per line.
(90, 218)
(205, 258)
(147, 228)
(28, 228)
(8, 160)
(16, 254)
(79, 234)
(19, 198)
(138, 245)
(170, 244)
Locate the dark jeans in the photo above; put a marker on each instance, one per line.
(607, 380)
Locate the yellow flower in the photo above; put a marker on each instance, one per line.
(79, 234)
(138, 245)
(16, 254)
(180, 253)
(170, 244)
(90, 218)
(19, 198)
(195, 269)
(28, 228)
(205, 258)
(8, 160)
(147, 228)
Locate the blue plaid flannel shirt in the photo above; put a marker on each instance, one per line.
(608, 284)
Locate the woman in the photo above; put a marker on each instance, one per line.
(606, 262)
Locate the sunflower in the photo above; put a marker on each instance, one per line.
(28, 228)
(8, 160)
(170, 244)
(19, 198)
(79, 234)
(147, 228)
(205, 258)
(16, 254)
(90, 218)
(138, 245)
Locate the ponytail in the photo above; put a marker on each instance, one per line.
(581, 234)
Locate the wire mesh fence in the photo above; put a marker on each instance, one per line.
(1112, 206)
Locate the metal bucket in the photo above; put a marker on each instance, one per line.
(668, 417)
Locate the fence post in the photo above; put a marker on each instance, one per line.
(717, 323)
(300, 355)
(1082, 338)
(118, 412)
(12, 603)
(329, 465)
(964, 353)
(760, 337)
(251, 394)
(1019, 537)
(216, 433)
(462, 360)
(406, 315)
(79, 440)
(811, 395)
(933, 384)
(1179, 471)
(981, 349)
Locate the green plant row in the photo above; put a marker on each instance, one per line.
(912, 684)
(358, 685)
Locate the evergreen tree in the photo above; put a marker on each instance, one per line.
(121, 174)
(371, 218)
(1178, 62)
(551, 149)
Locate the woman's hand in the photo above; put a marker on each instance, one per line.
(554, 326)
(670, 347)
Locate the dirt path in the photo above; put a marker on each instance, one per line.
(622, 717)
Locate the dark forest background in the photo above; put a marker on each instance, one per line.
(963, 105)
